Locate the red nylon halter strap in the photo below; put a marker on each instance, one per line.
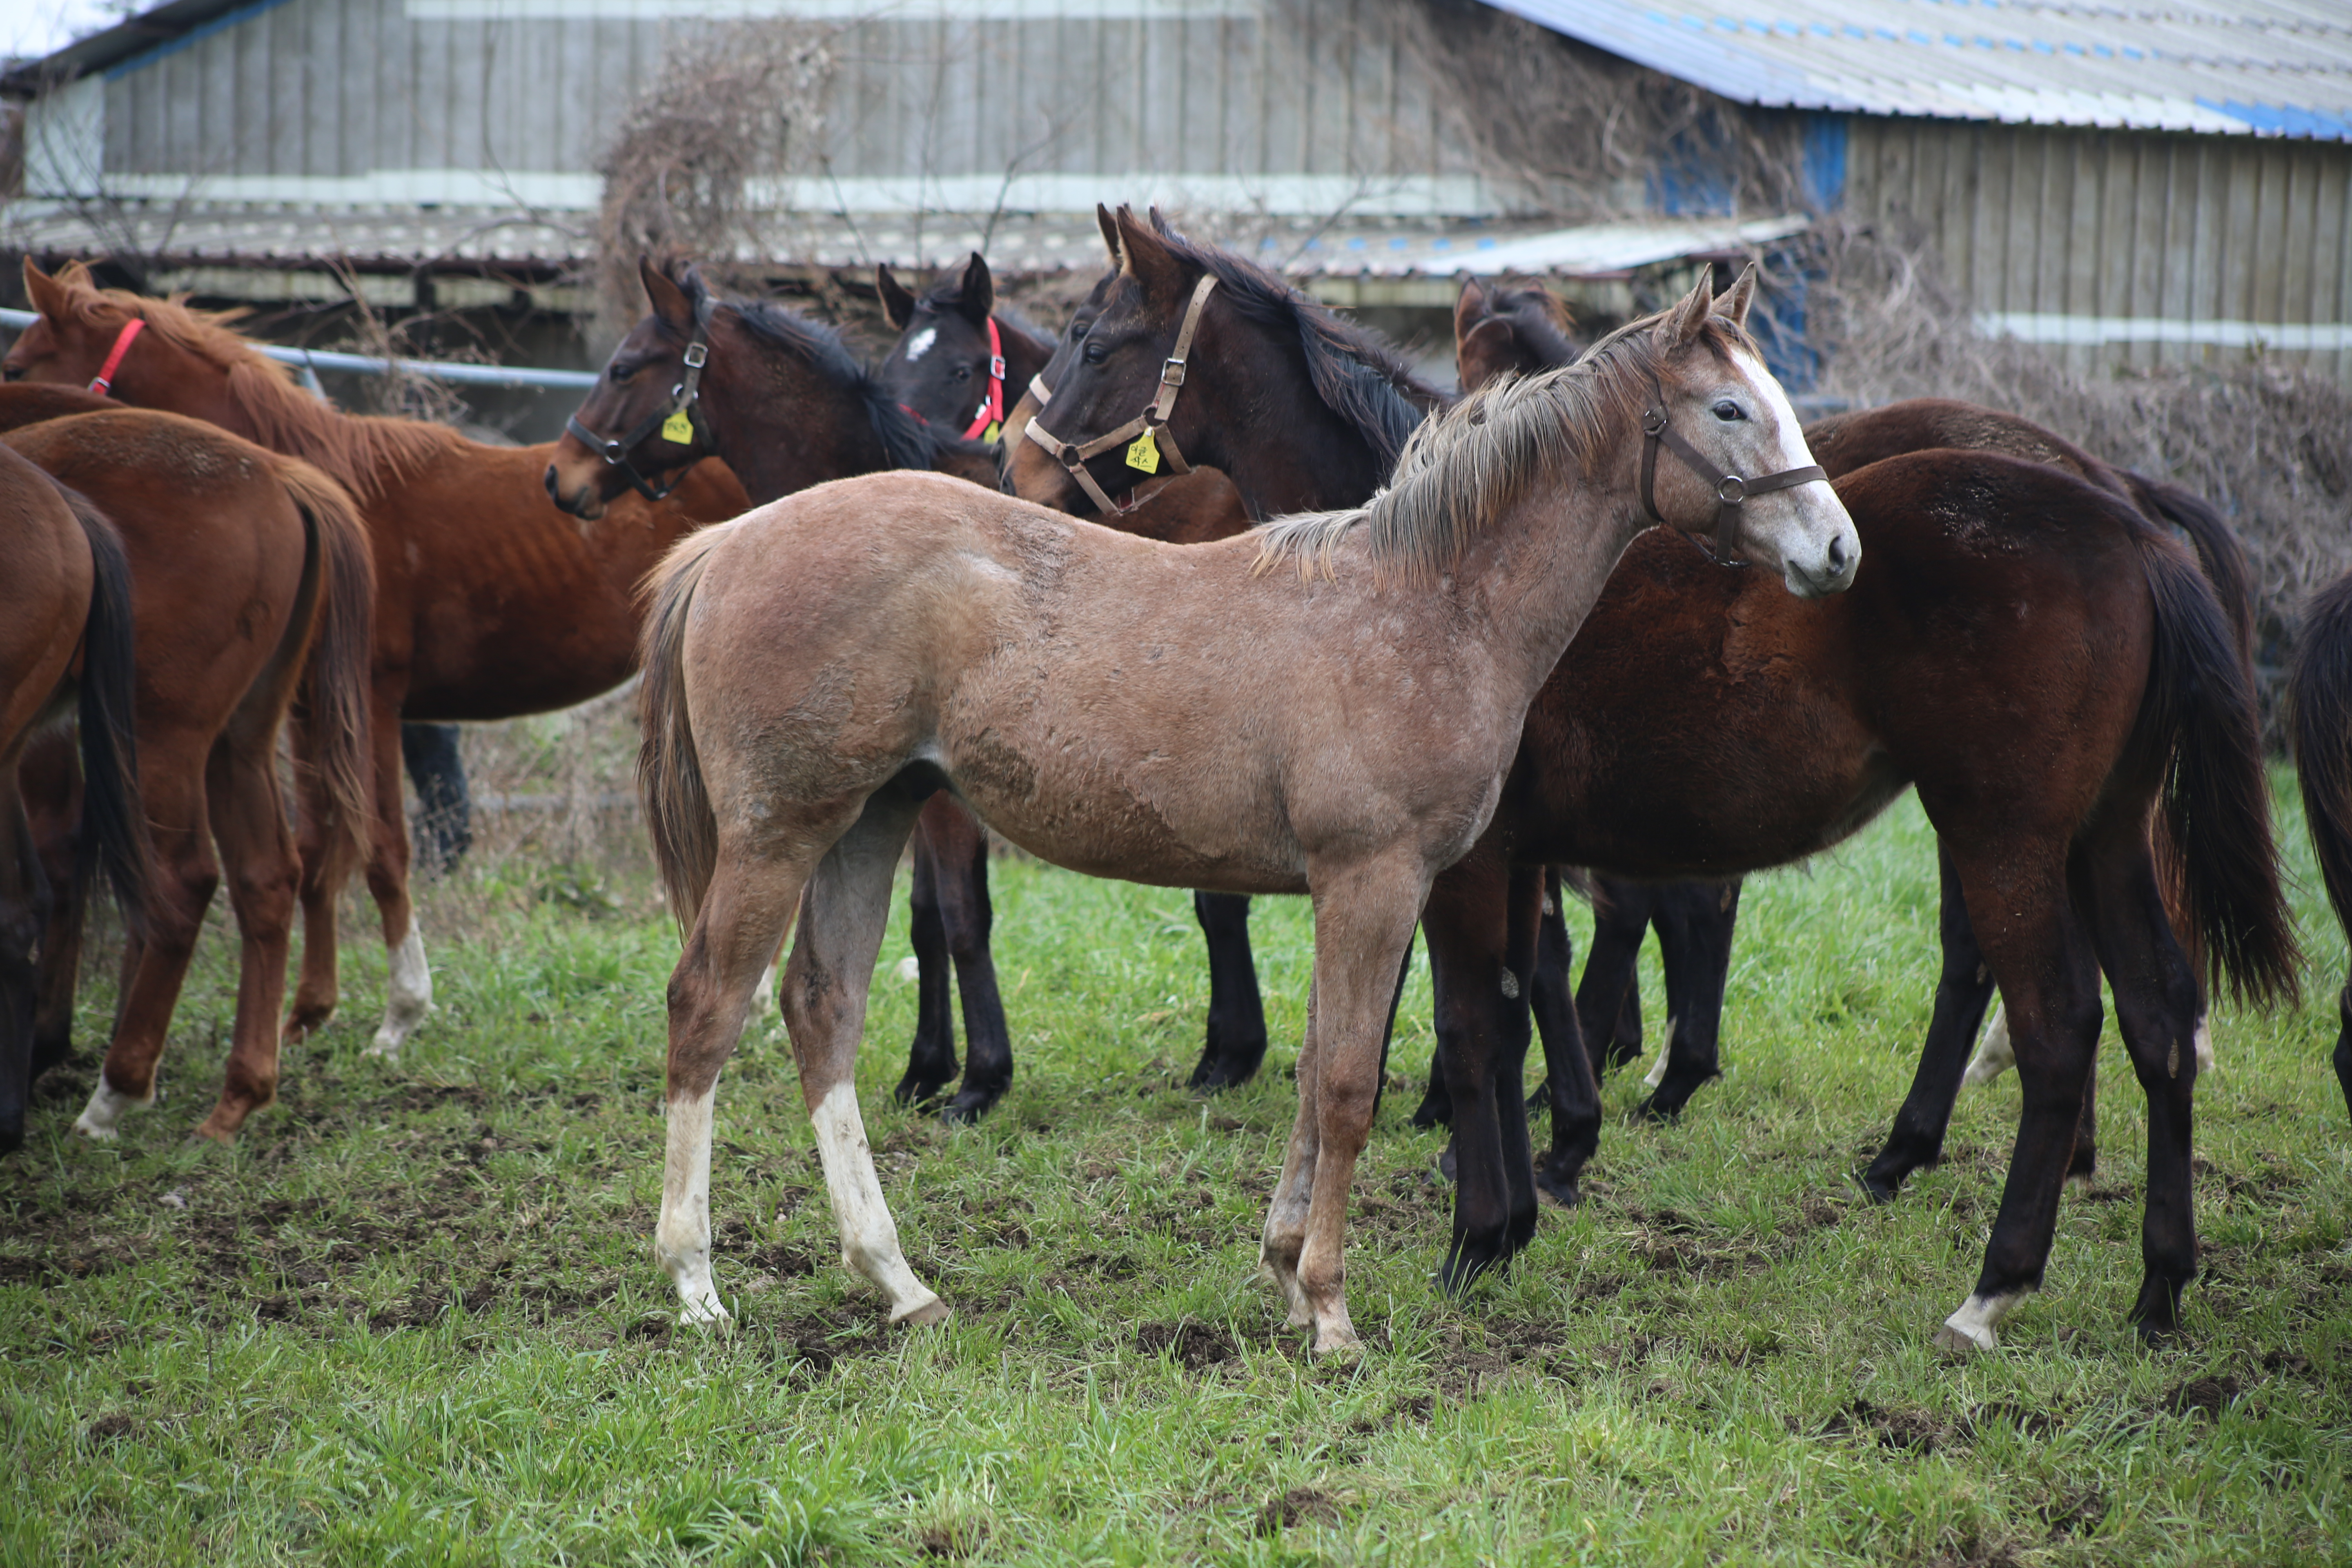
(122, 341)
(1152, 421)
(987, 424)
(1731, 491)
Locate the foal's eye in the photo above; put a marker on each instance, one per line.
(620, 372)
(963, 373)
(1728, 411)
(1078, 326)
(1095, 354)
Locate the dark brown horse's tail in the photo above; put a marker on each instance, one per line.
(336, 683)
(2219, 550)
(669, 772)
(113, 839)
(2198, 712)
(2319, 725)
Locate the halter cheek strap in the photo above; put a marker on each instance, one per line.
(104, 383)
(685, 398)
(988, 423)
(1152, 421)
(1731, 491)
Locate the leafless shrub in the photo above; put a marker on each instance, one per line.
(737, 107)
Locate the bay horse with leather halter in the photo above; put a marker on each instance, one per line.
(1326, 707)
(770, 378)
(66, 656)
(490, 605)
(250, 582)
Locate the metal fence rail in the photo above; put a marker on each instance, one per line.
(370, 364)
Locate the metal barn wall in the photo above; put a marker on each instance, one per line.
(1285, 105)
(2130, 248)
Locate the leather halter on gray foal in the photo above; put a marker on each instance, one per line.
(1152, 422)
(1731, 491)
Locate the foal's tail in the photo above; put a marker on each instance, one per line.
(113, 838)
(2200, 710)
(336, 683)
(2219, 551)
(2319, 722)
(670, 772)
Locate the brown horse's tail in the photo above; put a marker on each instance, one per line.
(670, 772)
(2199, 713)
(335, 684)
(113, 840)
(2319, 725)
(2219, 550)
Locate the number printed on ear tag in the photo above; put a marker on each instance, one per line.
(1143, 454)
(678, 429)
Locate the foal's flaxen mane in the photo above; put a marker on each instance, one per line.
(364, 452)
(1353, 369)
(1464, 470)
(907, 443)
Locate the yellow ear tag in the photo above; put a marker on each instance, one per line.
(993, 434)
(1143, 454)
(678, 429)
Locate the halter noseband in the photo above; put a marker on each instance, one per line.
(1148, 430)
(1731, 491)
(685, 402)
(103, 383)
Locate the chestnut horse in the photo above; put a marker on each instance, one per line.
(2319, 709)
(66, 654)
(1325, 708)
(490, 605)
(250, 578)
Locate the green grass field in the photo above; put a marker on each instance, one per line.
(413, 1315)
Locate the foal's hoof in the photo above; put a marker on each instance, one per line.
(921, 1316)
(1966, 1342)
(706, 1313)
(1877, 1188)
(966, 1108)
(1449, 1164)
(919, 1092)
(1559, 1189)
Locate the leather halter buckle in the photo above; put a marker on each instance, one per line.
(1153, 421)
(684, 397)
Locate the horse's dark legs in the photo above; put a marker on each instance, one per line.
(48, 783)
(444, 828)
(1236, 1033)
(1962, 992)
(1572, 1093)
(1480, 919)
(2156, 1012)
(25, 909)
(959, 846)
(931, 1063)
(1554, 1000)
(1610, 994)
(2344, 1044)
(1695, 922)
(2042, 956)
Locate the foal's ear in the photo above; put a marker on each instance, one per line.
(1489, 348)
(668, 301)
(1469, 310)
(898, 302)
(1682, 324)
(976, 295)
(47, 294)
(1743, 294)
(1109, 227)
(1145, 257)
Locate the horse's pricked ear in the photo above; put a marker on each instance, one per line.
(668, 301)
(1682, 324)
(1109, 227)
(47, 294)
(1145, 257)
(1488, 350)
(1469, 310)
(977, 294)
(898, 302)
(1743, 294)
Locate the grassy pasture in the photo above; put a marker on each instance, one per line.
(412, 1317)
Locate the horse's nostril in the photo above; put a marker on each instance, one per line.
(1837, 554)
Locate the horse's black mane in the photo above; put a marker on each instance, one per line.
(1526, 309)
(1355, 370)
(907, 443)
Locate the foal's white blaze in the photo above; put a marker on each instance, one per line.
(1972, 1327)
(682, 1236)
(106, 1104)
(1995, 1056)
(1805, 520)
(920, 343)
(408, 994)
(1665, 1050)
(869, 1237)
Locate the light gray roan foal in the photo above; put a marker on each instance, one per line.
(1175, 715)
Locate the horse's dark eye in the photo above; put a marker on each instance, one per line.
(1095, 354)
(620, 372)
(1728, 411)
(1078, 326)
(963, 373)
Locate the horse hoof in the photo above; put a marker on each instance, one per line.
(1560, 1190)
(931, 1311)
(1964, 1343)
(1449, 1165)
(706, 1313)
(966, 1109)
(1876, 1188)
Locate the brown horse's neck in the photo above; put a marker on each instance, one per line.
(1290, 452)
(778, 424)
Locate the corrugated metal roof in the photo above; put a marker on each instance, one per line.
(239, 234)
(2264, 68)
